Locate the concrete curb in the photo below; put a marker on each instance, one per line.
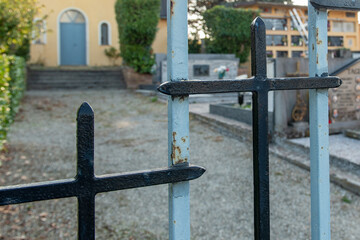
(292, 153)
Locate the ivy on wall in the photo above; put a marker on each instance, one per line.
(228, 30)
(137, 25)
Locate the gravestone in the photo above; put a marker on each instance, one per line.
(204, 66)
(344, 101)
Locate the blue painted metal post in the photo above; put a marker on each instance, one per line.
(178, 115)
(319, 127)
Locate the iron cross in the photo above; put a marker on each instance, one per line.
(259, 85)
(86, 185)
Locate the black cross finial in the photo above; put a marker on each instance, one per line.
(258, 47)
(259, 85)
(86, 185)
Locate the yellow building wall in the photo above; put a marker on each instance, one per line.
(351, 39)
(160, 42)
(95, 12)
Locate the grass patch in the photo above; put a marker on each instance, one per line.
(345, 199)
(154, 99)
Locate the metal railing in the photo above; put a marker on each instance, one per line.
(178, 174)
(86, 185)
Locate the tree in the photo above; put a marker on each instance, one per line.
(228, 30)
(16, 26)
(137, 25)
(198, 7)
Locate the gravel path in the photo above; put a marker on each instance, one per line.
(131, 134)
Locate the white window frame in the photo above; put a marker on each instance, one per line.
(109, 32)
(42, 36)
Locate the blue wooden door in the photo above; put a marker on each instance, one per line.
(72, 44)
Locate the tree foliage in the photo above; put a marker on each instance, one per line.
(16, 26)
(137, 24)
(198, 7)
(228, 30)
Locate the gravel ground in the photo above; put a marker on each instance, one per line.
(131, 134)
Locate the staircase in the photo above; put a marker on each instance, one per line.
(75, 78)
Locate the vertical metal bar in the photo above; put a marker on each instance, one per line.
(260, 133)
(319, 127)
(85, 173)
(178, 115)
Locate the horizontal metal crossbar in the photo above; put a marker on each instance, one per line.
(86, 185)
(260, 85)
(105, 183)
(247, 85)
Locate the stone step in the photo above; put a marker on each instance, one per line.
(341, 175)
(90, 78)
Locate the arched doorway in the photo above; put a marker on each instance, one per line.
(72, 38)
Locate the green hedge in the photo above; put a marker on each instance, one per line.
(137, 24)
(228, 30)
(12, 86)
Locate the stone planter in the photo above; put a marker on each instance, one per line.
(133, 79)
(239, 114)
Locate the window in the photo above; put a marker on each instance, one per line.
(297, 41)
(275, 23)
(104, 33)
(282, 54)
(72, 16)
(39, 32)
(280, 11)
(338, 26)
(350, 14)
(294, 27)
(336, 41)
(276, 40)
(297, 54)
(349, 26)
(269, 54)
(265, 10)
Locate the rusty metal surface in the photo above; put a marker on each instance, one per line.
(260, 85)
(86, 185)
(337, 4)
(181, 88)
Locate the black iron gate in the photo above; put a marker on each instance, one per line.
(86, 185)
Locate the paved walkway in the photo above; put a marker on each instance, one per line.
(131, 134)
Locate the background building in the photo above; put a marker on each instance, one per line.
(78, 32)
(287, 32)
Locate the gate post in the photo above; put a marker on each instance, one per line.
(319, 126)
(178, 115)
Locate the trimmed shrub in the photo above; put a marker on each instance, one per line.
(137, 25)
(228, 30)
(12, 86)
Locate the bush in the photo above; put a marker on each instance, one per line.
(137, 25)
(228, 30)
(12, 86)
(16, 26)
(113, 54)
(194, 45)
